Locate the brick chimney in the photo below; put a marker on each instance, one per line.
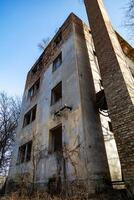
(118, 85)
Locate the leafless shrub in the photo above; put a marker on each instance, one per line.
(129, 18)
(43, 44)
(130, 14)
(78, 194)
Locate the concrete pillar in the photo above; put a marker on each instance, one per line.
(118, 84)
(93, 150)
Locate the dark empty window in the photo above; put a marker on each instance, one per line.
(34, 89)
(57, 62)
(56, 94)
(24, 154)
(33, 113)
(30, 116)
(22, 151)
(27, 118)
(55, 142)
(110, 126)
(29, 149)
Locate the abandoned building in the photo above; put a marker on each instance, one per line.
(65, 130)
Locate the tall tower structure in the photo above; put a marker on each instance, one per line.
(118, 84)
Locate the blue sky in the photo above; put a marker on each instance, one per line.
(23, 25)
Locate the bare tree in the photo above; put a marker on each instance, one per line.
(44, 44)
(129, 18)
(130, 13)
(36, 154)
(9, 115)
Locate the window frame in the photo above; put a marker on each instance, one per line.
(56, 60)
(31, 119)
(33, 89)
(52, 136)
(25, 152)
(53, 93)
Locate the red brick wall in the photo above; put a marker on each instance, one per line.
(121, 108)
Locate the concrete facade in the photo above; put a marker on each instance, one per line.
(89, 152)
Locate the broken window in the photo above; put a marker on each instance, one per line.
(56, 93)
(24, 154)
(27, 119)
(34, 89)
(33, 113)
(30, 116)
(57, 62)
(55, 142)
(22, 151)
(29, 149)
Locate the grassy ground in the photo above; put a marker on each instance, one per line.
(41, 196)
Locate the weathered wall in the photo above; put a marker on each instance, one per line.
(45, 120)
(81, 126)
(110, 144)
(83, 130)
(93, 142)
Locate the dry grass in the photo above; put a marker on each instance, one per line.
(42, 196)
(37, 196)
(75, 193)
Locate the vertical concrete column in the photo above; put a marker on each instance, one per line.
(118, 84)
(92, 149)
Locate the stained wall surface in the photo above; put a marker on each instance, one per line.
(89, 148)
